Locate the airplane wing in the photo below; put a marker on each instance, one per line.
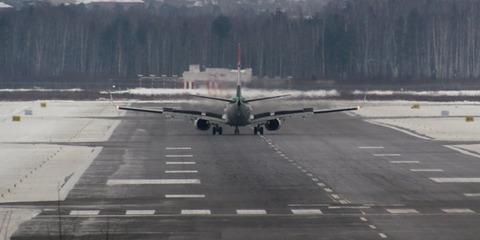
(266, 98)
(263, 117)
(187, 114)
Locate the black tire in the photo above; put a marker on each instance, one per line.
(255, 130)
(260, 129)
(237, 131)
(220, 130)
(214, 130)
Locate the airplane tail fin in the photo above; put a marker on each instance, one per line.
(239, 83)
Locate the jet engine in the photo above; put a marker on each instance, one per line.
(272, 125)
(202, 124)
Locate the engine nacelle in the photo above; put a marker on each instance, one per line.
(202, 124)
(272, 125)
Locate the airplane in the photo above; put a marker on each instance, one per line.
(238, 112)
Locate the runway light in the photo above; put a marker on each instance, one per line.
(16, 118)
(43, 104)
(416, 106)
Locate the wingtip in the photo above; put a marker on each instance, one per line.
(358, 107)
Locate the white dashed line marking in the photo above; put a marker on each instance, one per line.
(196, 212)
(456, 180)
(404, 161)
(84, 212)
(401, 210)
(151, 181)
(184, 195)
(178, 148)
(426, 170)
(471, 194)
(372, 226)
(306, 211)
(180, 163)
(139, 212)
(251, 212)
(335, 196)
(181, 171)
(382, 235)
(321, 184)
(387, 155)
(328, 190)
(363, 219)
(458, 210)
(179, 156)
(370, 147)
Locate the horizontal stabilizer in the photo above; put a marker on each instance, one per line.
(213, 98)
(266, 98)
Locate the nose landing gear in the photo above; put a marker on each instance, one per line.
(237, 131)
(217, 129)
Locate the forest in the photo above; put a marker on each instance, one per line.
(352, 41)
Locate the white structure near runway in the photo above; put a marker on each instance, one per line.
(213, 77)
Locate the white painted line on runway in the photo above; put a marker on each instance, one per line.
(426, 170)
(84, 212)
(372, 226)
(456, 180)
(344, 201)
(251, 212)
(306, 211)
(315, 179)
(184, 195)
(178, 148)
(401, 210)
(139, 212)
(179, 156)
(307, 205)
(387, 155)
(112, 182)
(382, 235)
(309, 174)
(328, 190)
(370, 147)
(463, 151)
(321, 184)
(471, 194)
(458, 210)
(181, 171)
(180, 163)
(404, 161)
(335, 196)
(196, 212)
(363, 219)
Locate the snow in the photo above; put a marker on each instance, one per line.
(32, 169)
(427, 120)
(4, 5)
(40, 90)
(450, 93)
(108, 1)
(12, 218)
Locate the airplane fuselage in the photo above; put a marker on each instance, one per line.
(238, 114)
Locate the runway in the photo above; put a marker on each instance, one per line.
(332, 176)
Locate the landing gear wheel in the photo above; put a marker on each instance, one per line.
(214, 130)
(255, 130)
(260, 130)
(219, 130)
(237, 131)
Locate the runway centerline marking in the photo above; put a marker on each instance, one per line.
(180, 163)
(471, 194)
(196, 212)
(458, 210)
(178, 148)
(426, 170)
(404, 161)
(382, 235)
(140, 212)
(370, 147)
(401, 210)
(251, 212)
(456, 180)
(181, 171)
(179, 156)
(387, 155)
(306, 211)
(113, 182)
(372, 226)
(184, 195)
(84, 212)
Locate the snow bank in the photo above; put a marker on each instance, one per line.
(446, 93)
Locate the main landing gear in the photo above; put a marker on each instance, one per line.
(217, 129)
(258, 130)
(237, 131)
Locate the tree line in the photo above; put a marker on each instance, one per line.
(388, 41)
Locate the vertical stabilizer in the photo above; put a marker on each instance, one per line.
(239, 85)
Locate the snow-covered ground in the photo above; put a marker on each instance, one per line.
(33, 167)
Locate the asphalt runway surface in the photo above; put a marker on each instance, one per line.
(331, 176)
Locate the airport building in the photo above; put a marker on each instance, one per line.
(213, 77)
